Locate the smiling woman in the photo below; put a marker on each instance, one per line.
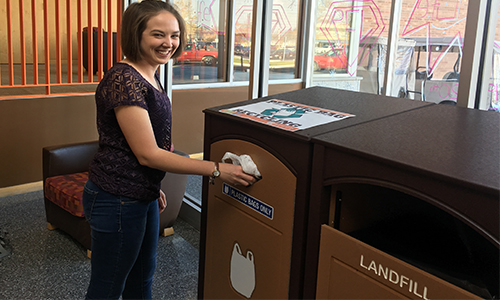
(158, 43)
(134, 122)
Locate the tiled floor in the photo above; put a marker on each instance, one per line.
(46, 264)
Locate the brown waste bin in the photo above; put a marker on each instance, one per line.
(253, 239)
(417, 193)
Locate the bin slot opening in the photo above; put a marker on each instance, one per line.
(420, 234)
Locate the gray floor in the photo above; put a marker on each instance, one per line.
(193, 188)
(46, 264)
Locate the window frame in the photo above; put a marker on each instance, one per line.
(482, 94)
(258, 82)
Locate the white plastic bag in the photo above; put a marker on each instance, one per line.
(245, 161)
(242, 272)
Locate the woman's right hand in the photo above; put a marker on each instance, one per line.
(234, 175)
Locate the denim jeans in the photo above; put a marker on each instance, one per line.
(124, 242)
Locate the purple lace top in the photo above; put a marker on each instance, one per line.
(115, 168)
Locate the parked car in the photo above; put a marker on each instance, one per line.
(283, 54)
(194, 53)
(241, 50)
(333, 59)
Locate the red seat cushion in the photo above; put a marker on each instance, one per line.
(66, 191)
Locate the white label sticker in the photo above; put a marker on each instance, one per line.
(254, 203)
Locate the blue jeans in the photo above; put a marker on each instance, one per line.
(124, 241)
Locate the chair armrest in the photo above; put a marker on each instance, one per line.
(67, 159)
(174, 187)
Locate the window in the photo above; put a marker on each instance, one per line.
(243, 17)
(436, 29)
(348, 50)
(352, 40)
(202, 60)
(285, 30)
(211, 38)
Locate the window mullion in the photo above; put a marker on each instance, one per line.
(309, 18)
(488, 53)
(255, 55)
(392, 45)
(471, 58)
(265, 48)
(231, 39)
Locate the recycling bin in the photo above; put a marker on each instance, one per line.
(251, 228)
(253, 239)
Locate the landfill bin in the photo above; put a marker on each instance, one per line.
(253, 238)
(408, 207)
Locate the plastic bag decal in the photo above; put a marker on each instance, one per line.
(242, 272)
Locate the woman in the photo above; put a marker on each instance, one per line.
(122, 198)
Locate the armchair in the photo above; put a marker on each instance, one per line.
(65, 170)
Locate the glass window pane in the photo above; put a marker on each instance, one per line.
(284, 43)
(347, 51)
(351, 47)
(203, 57)
(437, 30)
(243, 39)
(494, 84)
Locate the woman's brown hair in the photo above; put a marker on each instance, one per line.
(134, 22)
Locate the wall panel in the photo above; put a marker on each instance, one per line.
(28, 125)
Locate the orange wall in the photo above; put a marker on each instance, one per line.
(28, 22)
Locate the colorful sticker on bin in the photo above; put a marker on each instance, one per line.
(286, 115)
(253, 203)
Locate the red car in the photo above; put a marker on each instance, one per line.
(194, 53)
(333, 59)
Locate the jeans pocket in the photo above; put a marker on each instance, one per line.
(88, 199)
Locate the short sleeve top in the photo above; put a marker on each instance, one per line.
(115, 169)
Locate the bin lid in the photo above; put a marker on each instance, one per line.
(456, 145)
(366, 107)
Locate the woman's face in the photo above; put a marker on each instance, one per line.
(160, 39)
